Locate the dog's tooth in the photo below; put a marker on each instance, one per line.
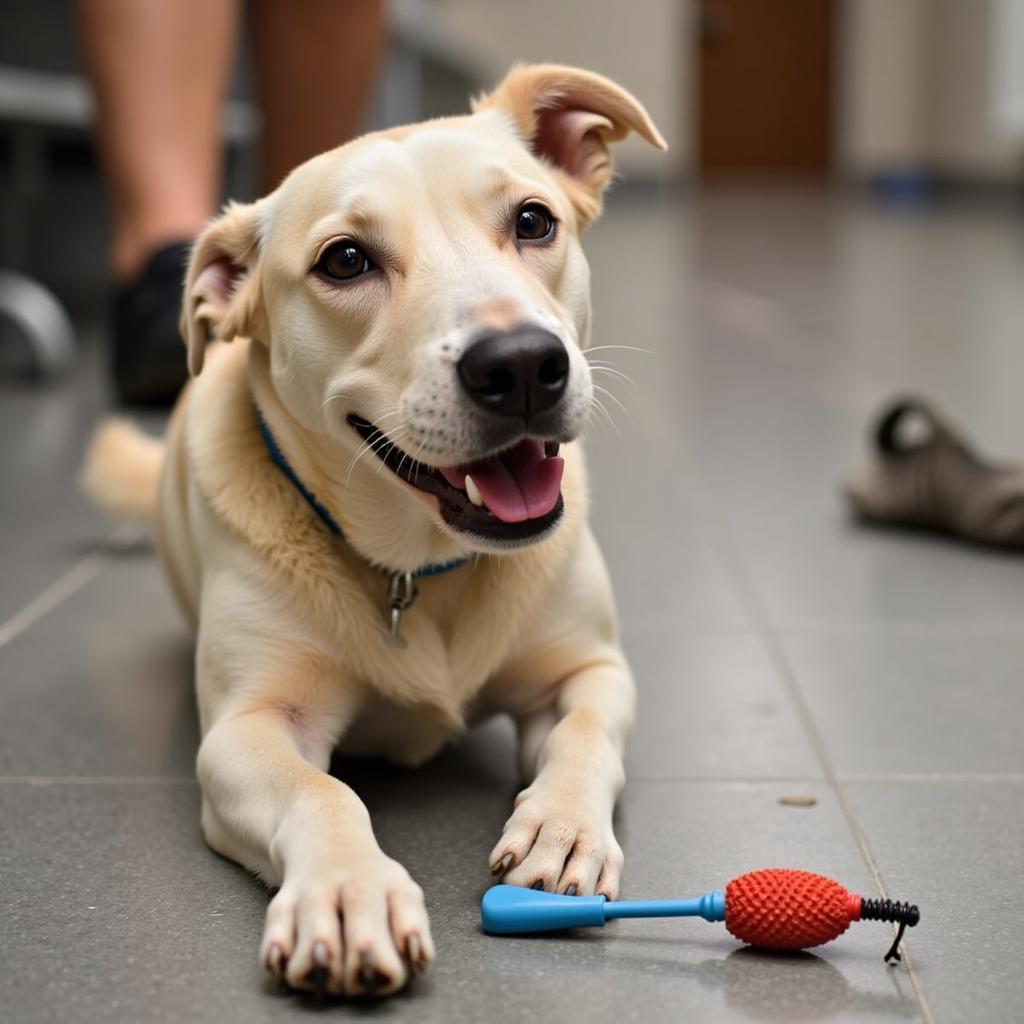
(473, 492)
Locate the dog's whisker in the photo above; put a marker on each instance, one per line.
(405, 455)
(360, 452)
(352, 464)
(610, 418)
(603, 364)
(597, 403)
(603, 409)
(387, 415)
(616, 373)
(389, 445)
(615, 399)
(373, 443)
(628, 348)
(374, 438)
(331, 398)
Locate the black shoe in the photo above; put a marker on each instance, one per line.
(149, 362)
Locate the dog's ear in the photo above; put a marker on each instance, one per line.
(568, 117)
(222, 293)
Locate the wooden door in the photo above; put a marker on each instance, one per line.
(765, 86)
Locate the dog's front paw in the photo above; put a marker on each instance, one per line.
(349, 930)
(560, 841)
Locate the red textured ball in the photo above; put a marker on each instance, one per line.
(779, 908)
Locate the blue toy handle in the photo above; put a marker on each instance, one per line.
(510, 910)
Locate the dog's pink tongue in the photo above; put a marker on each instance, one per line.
(519, 484)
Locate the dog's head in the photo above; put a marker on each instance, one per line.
(424, 297)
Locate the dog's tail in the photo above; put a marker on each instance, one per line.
(121, 473)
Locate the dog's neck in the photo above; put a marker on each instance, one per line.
(379, 518)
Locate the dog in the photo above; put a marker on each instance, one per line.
(371, 503)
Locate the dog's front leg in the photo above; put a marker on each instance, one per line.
(560, 834)
(345, 912)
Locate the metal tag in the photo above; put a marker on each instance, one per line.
(401, 594)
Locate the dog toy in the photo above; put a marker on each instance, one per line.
(777, 908)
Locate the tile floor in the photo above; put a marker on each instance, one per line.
(780, 649)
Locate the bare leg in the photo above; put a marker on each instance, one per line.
(315, 62)
(159, 71)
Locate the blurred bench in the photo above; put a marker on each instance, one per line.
(32, 105)
(427, 72)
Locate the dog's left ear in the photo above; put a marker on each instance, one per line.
(568, 117)
(222, 294)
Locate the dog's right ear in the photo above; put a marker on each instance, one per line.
(222, 297)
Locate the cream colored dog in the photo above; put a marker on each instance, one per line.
(409, 315)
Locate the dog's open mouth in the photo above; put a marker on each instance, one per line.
(513, 495)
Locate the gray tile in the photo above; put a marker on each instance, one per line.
(103, 684)
(775, 321)
(925, 300)
(777, 242)
(813, 566)
(678, 585)
(765, 420)
(673, 848)
(653, 970)
(931, 302)
(122, 915)
(766, 443)
(711, 706)
(916, 701)
(45, 525)
(643, 489)
(120, 912)
(958, 851)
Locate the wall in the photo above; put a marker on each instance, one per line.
(642, 44)
(916, 89)
(882, 58)
(1007, 40)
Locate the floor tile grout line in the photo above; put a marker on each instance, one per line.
(750, 599)
(98, 780)
(776, 651)
(777, 654)
(668, 780)
(914, 779)
(935, 778)
(61, 589)
(902, 630)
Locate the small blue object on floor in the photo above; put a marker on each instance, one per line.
(511, 910)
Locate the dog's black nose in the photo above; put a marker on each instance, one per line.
(516, 373)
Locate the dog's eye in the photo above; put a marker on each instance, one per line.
(534, 223)
(343, 261)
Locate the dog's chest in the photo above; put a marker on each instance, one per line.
(424, 692)
(405, 735)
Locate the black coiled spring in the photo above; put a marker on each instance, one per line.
(905, 914)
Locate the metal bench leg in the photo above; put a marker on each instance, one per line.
(40, 320)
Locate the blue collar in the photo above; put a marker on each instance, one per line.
(278, 458)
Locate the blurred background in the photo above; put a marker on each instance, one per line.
(919, 99)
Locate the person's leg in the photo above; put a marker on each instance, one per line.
(159, 71)
(315, 63)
